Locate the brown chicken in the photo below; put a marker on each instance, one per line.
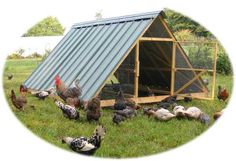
(18, 102)
(23, 89)
(76, 102)
(93, 109)
(218, 114)
(222, 93)
(65, 92)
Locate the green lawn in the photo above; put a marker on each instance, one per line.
(135, 137)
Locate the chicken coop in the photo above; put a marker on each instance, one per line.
(136, 53)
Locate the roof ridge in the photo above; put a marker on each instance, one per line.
(119, 19)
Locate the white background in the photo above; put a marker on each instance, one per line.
(18, 143)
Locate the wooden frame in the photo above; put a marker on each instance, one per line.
(173, 69)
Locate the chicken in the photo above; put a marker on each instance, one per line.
(206, 82)
(193, 112)
(161, 114)
(23, 89)
(196, 113)
(65, 92)
(10, 76)
(127, 112)
(120, 102)
(68, 111)
(43, 94)
(87, 146)
(222, 93)
(93, 109)
(218, 114)
(18, 102)
(179, 111)
(188, 98)
(118, 118)
(130, 103)
(150, 92)
(76, 102)
(170, 99)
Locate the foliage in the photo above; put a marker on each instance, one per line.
(34, 55)
(178, 22)
(138, 136)
(45, 55)
(223, 62)
(49, 26)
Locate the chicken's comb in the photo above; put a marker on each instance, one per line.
(57, 77)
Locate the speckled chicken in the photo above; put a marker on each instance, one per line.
(43, 94)
(19, 102)
(84, 145)
(68, 111)
(93, 109)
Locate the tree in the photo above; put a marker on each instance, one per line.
(178, 22)
(49, 26)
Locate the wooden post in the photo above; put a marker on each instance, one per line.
(136, 72)
(214, 72)
(172, 84)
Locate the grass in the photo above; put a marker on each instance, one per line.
(136, 137)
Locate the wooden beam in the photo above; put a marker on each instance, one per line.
(214, 72)
(193, 69)
(155, 39)
(172, 83)
(190, 82)
(106, 103)
(199, 42)
(179, 47)
(136, 74)
(156, 68)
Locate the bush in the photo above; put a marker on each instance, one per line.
(223, 63)
(34, 55)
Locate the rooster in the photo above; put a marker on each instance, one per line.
(68, 111)
(18, 102)
(93, 109)
(120, 102)
(65, 92)
(222, 93)
(87, 146)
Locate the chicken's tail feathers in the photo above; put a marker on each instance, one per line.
(100, 131)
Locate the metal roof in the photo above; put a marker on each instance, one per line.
(90, 51)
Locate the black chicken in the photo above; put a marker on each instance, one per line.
(87, 146)
(188, 98)
(120, 102)
(10, 76)
(93, 109)
(118, 118)
(127, 112)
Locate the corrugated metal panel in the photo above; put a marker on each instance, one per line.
(90, 52)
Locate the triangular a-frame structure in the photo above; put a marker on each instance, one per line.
(93, 51)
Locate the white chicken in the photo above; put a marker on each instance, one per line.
(161, 114)
(196, 113)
